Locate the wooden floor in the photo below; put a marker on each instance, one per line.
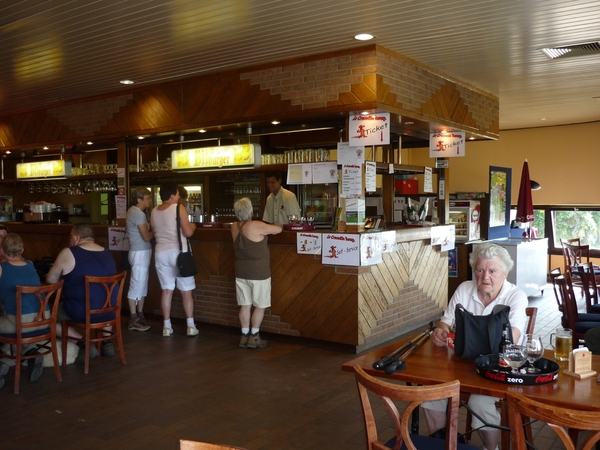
(286, 396)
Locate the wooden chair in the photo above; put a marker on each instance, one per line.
(196, 445)
(575, 254)
(554, 273)
(587, 276)
(414, 395)
(45, 338)
(579, 323)
(563, 421)
(112, 286)
(531, 313)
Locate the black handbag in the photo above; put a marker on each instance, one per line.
(185, 260)
(479, 335)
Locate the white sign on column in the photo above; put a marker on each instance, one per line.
(447, 145)
(369, 129)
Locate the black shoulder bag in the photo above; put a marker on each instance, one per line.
(479, 335)
(185, 260)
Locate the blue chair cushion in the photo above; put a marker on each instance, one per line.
(585, 317)
(582, 327)
(427, 443)
(27, 335)
(595, 310)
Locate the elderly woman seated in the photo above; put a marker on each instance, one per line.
(15, 270)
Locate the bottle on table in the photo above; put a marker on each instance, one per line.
(506, 340)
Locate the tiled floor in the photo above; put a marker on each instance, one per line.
(287, 396)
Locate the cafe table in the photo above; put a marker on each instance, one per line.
(430, 364)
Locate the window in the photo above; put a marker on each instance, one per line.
(577, 223)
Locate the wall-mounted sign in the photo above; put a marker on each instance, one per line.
(211, 158)
(44, 169)
(447, 145)
(369, 129)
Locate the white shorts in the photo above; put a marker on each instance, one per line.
(140, 263)
(483, 405)
(166, 268)
(253, 292)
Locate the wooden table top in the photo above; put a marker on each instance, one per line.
(430, 365)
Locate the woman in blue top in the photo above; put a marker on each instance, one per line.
(15, 270)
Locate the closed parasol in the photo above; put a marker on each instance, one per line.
(525, 203)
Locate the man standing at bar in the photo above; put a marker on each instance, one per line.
(140, 253)
(281, 203)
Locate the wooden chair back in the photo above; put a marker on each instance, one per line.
(531, 313)
(414, 395)
(570, 312)
(587, 276)
(112, 286)
(197, 445)
(575, 254)
(41, 331)
(555, 273)
(559, 419)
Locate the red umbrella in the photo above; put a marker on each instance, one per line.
(525, 203)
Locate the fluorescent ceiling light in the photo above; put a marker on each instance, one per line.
(126, 81)
(363, 37)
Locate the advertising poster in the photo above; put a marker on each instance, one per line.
(370, 249)
(447, 145)
(308, 243)
(452, 263)
(369, 129)
(117, 238)
(341, 249)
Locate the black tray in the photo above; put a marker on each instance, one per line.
(487, 367)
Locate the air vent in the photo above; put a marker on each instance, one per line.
(572, 50)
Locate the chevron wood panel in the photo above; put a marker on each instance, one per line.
(388, 303)
(31, 128)
(448, 104)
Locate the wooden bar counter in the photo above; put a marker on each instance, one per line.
(353, 307)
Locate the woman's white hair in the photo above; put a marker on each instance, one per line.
(243, 209)
(491, 251)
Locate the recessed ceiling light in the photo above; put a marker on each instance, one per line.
(472, 138)
(363, 37)
(126, 82)
(89, 142)
(543, 118)
(8, 152)
(409, 123)
(140, 137)
(202, 130)
(45, 147)
(443, 132)
(364, 113)
(275, 122)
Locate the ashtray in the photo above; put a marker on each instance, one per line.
(487, 367)
(297, 227)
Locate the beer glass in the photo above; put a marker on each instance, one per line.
(562, 341)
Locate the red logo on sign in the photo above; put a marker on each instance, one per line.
(545, 378)
(498, 376)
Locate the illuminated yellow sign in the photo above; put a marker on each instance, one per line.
(210, 158)
(44, 169)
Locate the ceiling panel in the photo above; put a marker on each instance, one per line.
(60, 50)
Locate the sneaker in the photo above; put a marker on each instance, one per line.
(167, 332)
(138, 325)
(254, 341)
(244, 340)
(192, 331)
(94, 353)
(34, 365)
(108, 349)
(142, 320)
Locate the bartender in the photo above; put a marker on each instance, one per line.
(281, 203)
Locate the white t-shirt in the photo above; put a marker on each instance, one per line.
(165, 228)
(466, 295)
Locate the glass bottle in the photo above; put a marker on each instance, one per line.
(504, 341)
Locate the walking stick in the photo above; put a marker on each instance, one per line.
(388, 359)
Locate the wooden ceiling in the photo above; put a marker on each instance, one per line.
(53, 51)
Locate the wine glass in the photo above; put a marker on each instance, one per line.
(535, 350)
(515, 356)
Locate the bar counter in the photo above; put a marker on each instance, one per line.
(353, 307)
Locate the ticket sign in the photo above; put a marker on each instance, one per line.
(369, 129)
(212, 158)
(447, 145)
(341, 249)
(44, 169)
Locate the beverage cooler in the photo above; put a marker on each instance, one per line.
(318, 201)
(464, 215)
